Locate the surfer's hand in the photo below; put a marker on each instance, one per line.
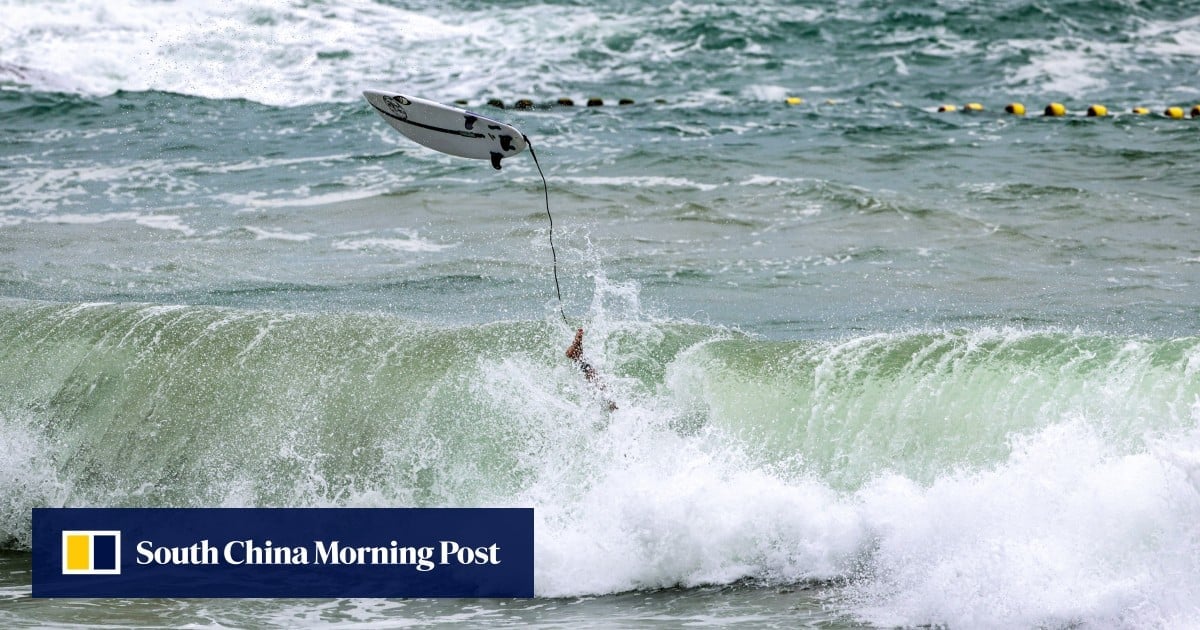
(576, 349)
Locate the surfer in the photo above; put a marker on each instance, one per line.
(575, 353)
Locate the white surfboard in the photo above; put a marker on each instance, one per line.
(447, 129)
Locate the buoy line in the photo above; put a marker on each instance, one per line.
(1052, 110)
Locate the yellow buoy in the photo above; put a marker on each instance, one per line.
(973, 107)
(1055, 109)
(595, 101)
(1097, 111)
(1140, 111)
(1196, 111)
(1016, 109)
(794, 100)
(566, 102)
(1174, 112)
(947, 108)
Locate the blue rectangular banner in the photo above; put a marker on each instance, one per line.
(283, 552)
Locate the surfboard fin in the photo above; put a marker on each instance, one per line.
(496, 160)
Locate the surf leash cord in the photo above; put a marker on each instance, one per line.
(553, 253)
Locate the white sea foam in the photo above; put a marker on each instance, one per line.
(1077, 66)
(164, 222)
(646, 181)
(28, 478)
(1068, 530)
(287, 53)
(769, 93)
(297, 198)
(154, 221)
(1065, 65)
(44, 188)
(409, 243)
(771, 180)
(1175, 38)
(267, 234)
(663, 511)
(271, 52)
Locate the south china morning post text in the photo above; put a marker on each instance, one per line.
(283, 552)
(239, 552)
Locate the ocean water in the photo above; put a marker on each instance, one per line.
(875, 365)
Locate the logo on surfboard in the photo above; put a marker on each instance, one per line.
(396, 104)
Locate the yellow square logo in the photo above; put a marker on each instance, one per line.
(91, 552)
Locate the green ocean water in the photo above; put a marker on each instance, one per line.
(875, 365)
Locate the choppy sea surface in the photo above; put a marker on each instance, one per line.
(875, 365)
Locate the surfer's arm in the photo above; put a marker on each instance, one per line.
(575, 353)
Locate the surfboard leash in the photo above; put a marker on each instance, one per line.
(553, 252)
